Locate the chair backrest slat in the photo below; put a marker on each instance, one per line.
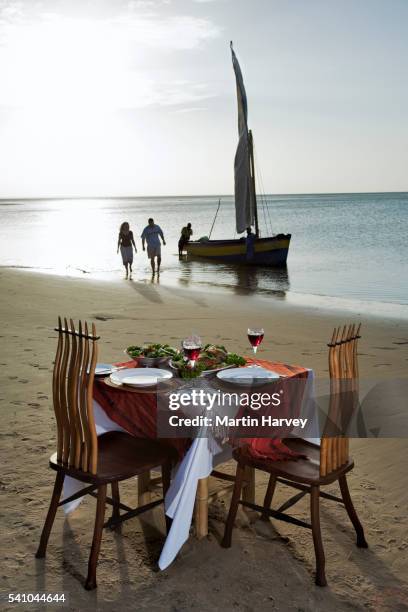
(78, 434)
(56, 377)
(343, 368)
(93, 452)
(83, 403)
(73, 377)
(72, 396)
(64, 393)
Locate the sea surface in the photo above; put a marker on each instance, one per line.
(353, 247)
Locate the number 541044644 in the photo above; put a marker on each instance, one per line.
(36, 598)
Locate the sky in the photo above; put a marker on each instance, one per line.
(137, 97)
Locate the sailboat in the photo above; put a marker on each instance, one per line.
(253, 249)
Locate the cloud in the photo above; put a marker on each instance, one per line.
(142, 21)
(190, 109)
(120, 61)
(182, 32)
(10, 11)
(146, 4)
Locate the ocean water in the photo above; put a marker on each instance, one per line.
(349, 246)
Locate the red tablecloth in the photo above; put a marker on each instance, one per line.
(137, 413)
(291, 401)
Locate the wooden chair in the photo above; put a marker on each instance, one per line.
(96, 461)
(323, 464)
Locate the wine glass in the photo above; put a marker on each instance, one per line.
(255, 337)
(192, 348)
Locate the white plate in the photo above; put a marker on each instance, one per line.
(249, 377)
(140, 377)
(104, 369)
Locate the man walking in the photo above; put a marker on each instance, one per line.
(186, 234)
(152, 234)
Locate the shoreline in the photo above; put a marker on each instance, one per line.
(334, 304)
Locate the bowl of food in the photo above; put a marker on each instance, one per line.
(212, 359)
(152, 355)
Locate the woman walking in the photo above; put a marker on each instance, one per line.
(125, 242)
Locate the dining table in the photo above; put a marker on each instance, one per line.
(123, 409)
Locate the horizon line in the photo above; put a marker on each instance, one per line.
(206, 195)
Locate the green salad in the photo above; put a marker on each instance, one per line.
(212, 357)
(153, 351)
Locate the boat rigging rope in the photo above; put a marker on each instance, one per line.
(215, 218)
(264, 202)
(260, 190)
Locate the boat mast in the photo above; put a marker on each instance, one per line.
(253, 188)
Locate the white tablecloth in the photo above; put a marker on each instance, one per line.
(203, 455)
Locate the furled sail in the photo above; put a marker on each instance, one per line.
(244, 204)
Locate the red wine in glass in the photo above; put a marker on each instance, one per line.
(255, 337)
(192, 352)
(192, 349)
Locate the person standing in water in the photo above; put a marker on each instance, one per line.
(152, 234)
(186, 234)
(125, 242)
(250, 244)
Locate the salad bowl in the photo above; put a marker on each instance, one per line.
(151, 355)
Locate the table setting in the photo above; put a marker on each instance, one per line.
(128, 396)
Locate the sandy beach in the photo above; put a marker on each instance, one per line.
(270, 564)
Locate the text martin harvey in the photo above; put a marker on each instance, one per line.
(226, 421)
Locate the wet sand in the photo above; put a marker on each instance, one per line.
(270, 566)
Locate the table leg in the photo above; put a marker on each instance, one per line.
(143, 483)
(248, 493)
(201, 509)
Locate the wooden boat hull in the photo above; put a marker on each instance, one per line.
(271, 251)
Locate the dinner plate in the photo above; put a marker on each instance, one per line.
(140, 377)
(249, 377)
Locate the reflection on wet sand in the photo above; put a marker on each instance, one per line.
(242, 280)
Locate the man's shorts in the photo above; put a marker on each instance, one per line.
(153, 252)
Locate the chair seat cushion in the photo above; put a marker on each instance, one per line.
(304, 470)
(121, 456)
